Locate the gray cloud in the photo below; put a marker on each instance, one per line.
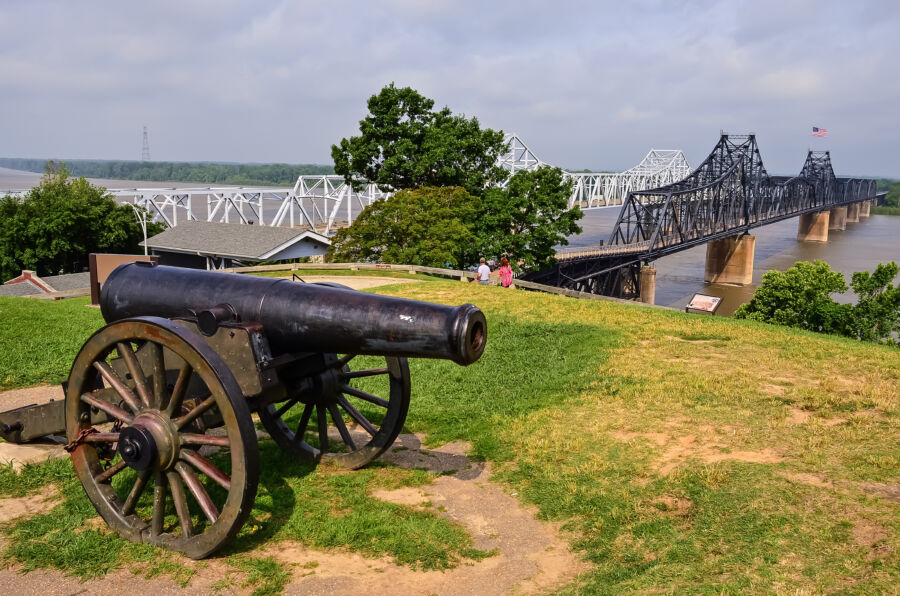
(586, 84)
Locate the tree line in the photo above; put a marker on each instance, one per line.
(165, 171)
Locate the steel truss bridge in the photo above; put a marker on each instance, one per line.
(325, 202)
(727, 195)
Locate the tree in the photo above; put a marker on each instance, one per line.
(799, 297)
(526, 220)
(59, 222)
(404, 143)
(876, 315)
(426, 226)
(892, 198)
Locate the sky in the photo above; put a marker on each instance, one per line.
(584, 84)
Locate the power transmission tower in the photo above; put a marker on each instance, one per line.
(145, 150)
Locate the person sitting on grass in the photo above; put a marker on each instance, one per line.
(483, 273)
(505, 273)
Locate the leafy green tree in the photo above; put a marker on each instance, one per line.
(799, 297)
(425, 226)
(892, 199)
(876, 315)
(528, 218)
(59, 222)
(404, 143)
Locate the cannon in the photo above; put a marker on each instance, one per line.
(159, 403)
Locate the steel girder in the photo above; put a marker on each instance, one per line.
(727, 195)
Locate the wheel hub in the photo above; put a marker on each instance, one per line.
(137, 447)
(149, 443)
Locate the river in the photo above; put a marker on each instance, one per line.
(875, 239)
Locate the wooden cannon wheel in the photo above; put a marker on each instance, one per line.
(169, 395)
(368, 393)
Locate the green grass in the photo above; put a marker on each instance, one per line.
(398, 273)
(680, 453)
(40, 338)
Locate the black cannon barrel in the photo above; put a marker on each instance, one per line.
(299, 317)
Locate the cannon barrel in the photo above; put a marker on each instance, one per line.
(299, 317)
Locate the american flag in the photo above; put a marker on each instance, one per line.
(819, 132)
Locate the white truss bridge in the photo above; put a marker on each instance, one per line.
(326, 202)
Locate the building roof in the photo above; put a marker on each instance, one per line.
(239, 241)
(29, 284)
(20, 289)
(68, 281)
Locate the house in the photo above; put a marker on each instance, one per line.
(30, 284)
(209, 245)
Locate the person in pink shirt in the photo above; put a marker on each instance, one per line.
(505, 273)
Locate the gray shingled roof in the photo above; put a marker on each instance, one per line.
(68, 281)
(228, 240)
(20, 289)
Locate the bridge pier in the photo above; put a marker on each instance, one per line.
(648, 285)
(864, 208)
(813, 227)
(838, 219)
(853, 213)
(730, 260)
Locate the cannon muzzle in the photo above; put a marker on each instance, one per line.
(298, 317)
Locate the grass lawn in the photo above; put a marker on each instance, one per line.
(681, 453)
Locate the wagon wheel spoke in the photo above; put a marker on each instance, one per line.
(286, 406)
(372, 399)
(322, 421)
(195, 439)
(181, 505)
(200, 495)
(342, 428)
(356, 374)
(159, 504)
(101, 438)
(207, 467)
(110, 472)
(125, 392)
(136, 372)
(198, 411)
(355, 414)
(135, 493)
(158, 374)
(304, 422)
(340, 362)
(178, 392)
(111, 409)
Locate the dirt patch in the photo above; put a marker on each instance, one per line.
(888, 492)
(707, 448)
(810, 479)
(40, 394)
(673, 506)
(872, 537)
(691, 341)
(770, 389)
(796, 415)
(30, 505)
(531, 556)
(656, 438)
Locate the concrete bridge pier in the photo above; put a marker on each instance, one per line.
(838, 219)
(853, 213)
(648, 285)
(864, 208)
(730, 260)
(813, 227)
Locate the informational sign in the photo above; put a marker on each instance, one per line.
(380, 266)
(703, 304)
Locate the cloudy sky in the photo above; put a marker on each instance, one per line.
(585, 84)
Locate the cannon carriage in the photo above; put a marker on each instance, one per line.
(159, 403)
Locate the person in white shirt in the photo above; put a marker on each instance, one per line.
(483, 273)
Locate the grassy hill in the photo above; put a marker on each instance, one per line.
(679, 453)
